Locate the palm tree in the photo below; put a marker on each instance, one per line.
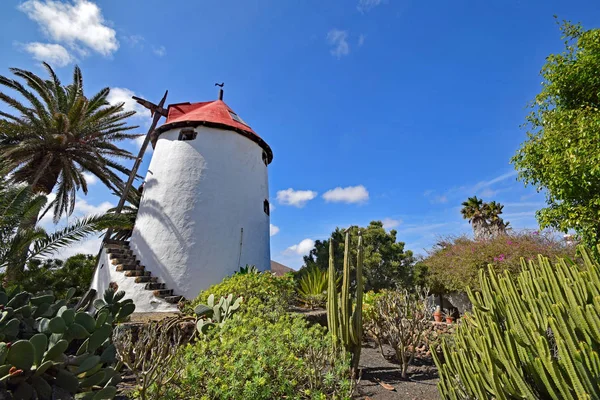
(474, 210)
(21, 242)
(496, 224)
(129, 213)
(59, 134)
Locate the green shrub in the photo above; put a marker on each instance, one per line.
(57, 275)
(312, 287)
(251, 357)
(262, 290)
(454, 264)
(534, 338)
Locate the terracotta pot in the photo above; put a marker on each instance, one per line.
(449, 320)
(437, 316)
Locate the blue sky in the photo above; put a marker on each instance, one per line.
(412, 105)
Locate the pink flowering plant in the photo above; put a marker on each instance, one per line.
(454, 263)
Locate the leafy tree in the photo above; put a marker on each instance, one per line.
(58, 275)
(386, 263)
(58, 134)
(562, 153)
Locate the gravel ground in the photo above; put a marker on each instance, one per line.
(420, 385)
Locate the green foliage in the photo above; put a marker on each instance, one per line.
(536, 337)
(21, 242)
(561, 155)
(58, 133)
(44, 344)
(248, 269)
(453, 264)
(312, 287)
(210, 314)
(386, 263)
(344, 318)
(251, 357)
(262, 290)
(57, 275)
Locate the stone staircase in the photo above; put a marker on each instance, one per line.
(121, 255)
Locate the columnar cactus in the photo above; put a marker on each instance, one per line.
(345, 320)
(536, 337)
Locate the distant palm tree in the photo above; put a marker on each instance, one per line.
(474, 210)
(58, 134)
(496, 224)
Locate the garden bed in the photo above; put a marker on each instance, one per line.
(375, 370)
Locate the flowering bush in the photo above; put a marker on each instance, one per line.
(453, 264)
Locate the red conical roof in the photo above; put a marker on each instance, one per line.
(215, 114)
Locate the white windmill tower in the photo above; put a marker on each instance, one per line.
(204, 210)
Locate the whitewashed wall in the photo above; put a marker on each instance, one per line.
(144, 300)
(197, 197)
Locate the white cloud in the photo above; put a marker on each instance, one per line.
(389, 223)
(53, 54)
(302, 248)
(366, 5)
(91, 179)
(297, 198)
(78, 23)
(139, 141)
(488, 192)
(123, 95)
(441, 199)
(135, 40)
(361, 39)
(338, 39)
(160, 51)
(498, 179)
(350, 194)
(273, 230)
(89, 246)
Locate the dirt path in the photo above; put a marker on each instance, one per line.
(421, 385)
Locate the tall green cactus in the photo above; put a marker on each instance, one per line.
(534, 338)
(344, 320)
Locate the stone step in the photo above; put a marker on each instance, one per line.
(124, 260)
(146, 279)
(137, 273)
(129, 267)
(155, 286)
(112, 244)
(163, 292)
(116, 253)
(173, 299)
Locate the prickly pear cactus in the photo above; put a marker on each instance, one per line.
(49, 344)
(209, 315)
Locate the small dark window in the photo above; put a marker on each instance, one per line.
(265, 158)
(187, 134)
(266, 207)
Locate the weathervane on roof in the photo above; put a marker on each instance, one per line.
(220, 90)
